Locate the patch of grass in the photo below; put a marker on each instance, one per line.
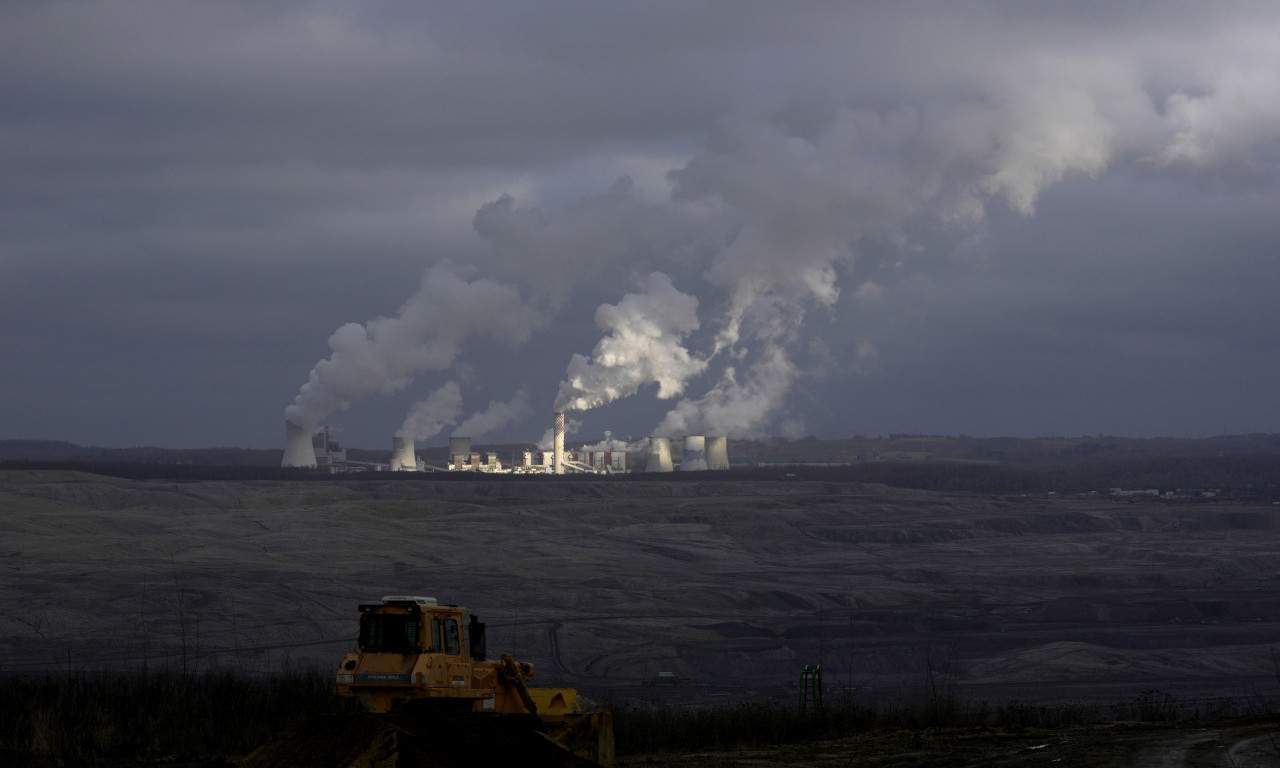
(144, 719)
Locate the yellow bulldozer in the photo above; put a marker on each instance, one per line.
(416, 654)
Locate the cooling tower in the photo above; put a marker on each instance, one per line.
(460, 446)
(298, 451)
(659, 455)
(695, 454)
(557, 459)
(402, 456)
(717, 453)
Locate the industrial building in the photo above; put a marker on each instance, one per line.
(403, 459)
(659, 455)
(695, 454)
(318, 450)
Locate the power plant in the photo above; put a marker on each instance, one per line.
(557, 444)
(695, 450)
(659, 455)
(459, 451)
(402, 456)
(717, 453)
(316, 449)
(298, 450)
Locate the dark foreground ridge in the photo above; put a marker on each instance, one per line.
(225, 722)
(421, 739)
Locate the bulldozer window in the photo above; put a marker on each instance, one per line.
(435, 634)
(389, 632)
(451, 645)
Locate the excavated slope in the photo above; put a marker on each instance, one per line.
(731, 587)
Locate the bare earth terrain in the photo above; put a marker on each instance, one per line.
(1237, 744)
(730, 586)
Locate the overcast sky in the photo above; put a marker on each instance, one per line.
(742, 218)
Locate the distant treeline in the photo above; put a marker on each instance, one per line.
(62, 451)
(1005, 451)
(1253, 476)
(1228, 475)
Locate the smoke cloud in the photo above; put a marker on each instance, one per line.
(739, 406)
(613, 444)
(428, 417)
(643, 346)
(497, 415)
(385, 354)
(571, 427)
(767, 222)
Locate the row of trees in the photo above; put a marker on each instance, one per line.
(1257, 476)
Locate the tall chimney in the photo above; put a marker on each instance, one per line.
(298, 451)
(557, 458)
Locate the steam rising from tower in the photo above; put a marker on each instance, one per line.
(642, 345)
(386, 353)
(497, 415)
(428, 416)
(765, 221)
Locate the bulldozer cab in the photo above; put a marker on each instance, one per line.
(411, 648)
(418, 625)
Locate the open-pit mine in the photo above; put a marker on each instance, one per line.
(685, 592)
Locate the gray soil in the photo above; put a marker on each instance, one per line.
(732, 587)
(1244, 743)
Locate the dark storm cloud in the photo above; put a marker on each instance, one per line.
(984, 217)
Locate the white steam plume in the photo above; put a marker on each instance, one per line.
(774, 213)
(427, 417)
(498, 414)
(805, 205)
(384, 354)
(642, 345)
(805, 201)
(733, 407)
(613, 444)
(571, 427)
